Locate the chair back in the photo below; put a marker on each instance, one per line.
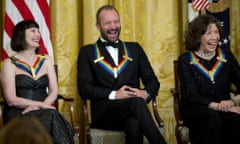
(175, 92)
(176, 77)
(181, 131)
(70, 101)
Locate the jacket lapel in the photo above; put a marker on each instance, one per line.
(107, 62)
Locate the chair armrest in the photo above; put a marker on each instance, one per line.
(72, 112)
(65, 98)
(156, 114)
(1, 114)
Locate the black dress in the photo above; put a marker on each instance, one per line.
(56, 125)
(199, 89)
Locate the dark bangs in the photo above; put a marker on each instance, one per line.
(30, 24)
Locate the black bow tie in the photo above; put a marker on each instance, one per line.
(113, 44)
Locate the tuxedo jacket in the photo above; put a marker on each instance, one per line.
(98, 75)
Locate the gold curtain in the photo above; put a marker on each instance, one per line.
(235, 29)
(157, 25)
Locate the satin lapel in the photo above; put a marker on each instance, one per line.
(105, 53)
(120, 57)
(103, 58)
(120, 51)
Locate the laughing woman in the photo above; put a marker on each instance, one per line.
(25, 77)
(206, 73)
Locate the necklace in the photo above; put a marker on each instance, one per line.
(214, 71)
(205, 55)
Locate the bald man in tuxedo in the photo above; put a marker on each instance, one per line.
(109, 74)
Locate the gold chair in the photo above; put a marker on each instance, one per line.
(181, 131)
(70, 101)
(100, 136)
(73, 119)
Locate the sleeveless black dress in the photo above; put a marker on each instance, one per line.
(56, 125)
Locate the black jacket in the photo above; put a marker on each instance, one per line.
(199, 90)
(96, 78)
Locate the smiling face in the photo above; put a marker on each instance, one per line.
(210, 39)
(109, 25)
(32, 37)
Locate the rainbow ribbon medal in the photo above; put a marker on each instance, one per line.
(32, 70)
(212, 73)
(113, 70)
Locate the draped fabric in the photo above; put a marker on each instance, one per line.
(158, 25)
(235, 29)
(18, 10)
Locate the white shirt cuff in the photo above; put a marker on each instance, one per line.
(112, 95)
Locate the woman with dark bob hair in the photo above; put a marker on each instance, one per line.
(30, 85)
(206, 73)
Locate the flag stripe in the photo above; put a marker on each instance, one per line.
(6, 46)
(9, 24)
(18, 10)
(200, 4)
(23, 9)
(44, 7)
(13, 12)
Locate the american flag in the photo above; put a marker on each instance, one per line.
(200, 4)
(18, 10)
